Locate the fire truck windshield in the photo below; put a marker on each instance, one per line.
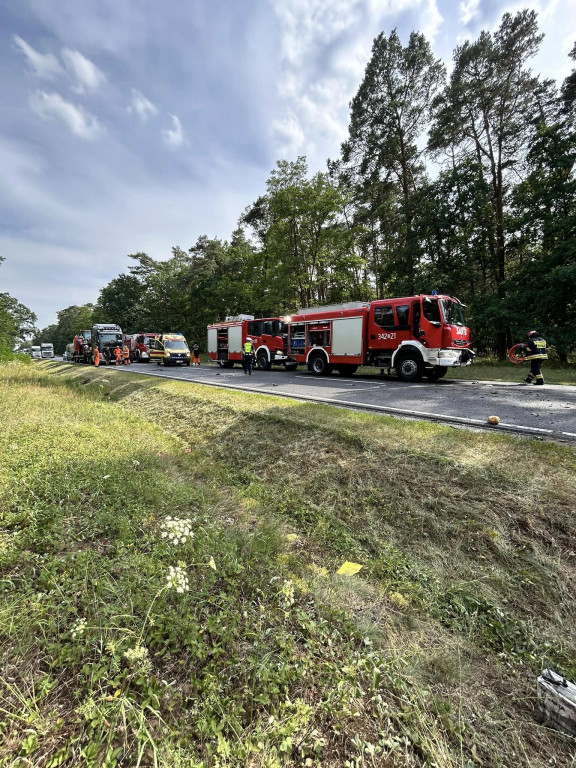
(453, 312)
(430, 310)
(279, 328)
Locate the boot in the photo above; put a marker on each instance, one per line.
(528, 379)
(539, 381)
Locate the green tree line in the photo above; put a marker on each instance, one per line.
(464, 184)
(17, 323)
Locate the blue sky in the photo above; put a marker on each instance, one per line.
(137, 126)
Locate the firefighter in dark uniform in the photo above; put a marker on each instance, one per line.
(536, 350)
(248, 357)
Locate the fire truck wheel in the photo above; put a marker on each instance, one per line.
(319, 365)
(436, 372)
(262, 361)
(409, 366)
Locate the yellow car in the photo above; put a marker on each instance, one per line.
(169, 349)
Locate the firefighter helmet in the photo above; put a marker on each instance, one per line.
(531, 333)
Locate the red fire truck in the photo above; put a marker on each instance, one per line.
(139, 346)
(416, 336)
(269, 336)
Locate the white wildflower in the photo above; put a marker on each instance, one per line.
(287, 594)
(78, 628)
(177, 579)
(176, 530)
(138, 656)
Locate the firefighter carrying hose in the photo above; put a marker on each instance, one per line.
(248, 356)
(536, 350)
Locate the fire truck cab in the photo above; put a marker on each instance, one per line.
(269, 336)
(139, 346)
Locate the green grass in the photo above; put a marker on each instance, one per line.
(428, 656)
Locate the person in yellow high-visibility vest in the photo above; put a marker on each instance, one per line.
(248, 356)
(536, 350)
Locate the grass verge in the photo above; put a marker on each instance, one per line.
(168, 591)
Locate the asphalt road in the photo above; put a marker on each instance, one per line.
(548, 411)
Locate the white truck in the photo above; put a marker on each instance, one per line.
(47, 349)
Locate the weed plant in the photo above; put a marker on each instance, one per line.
(168, 593)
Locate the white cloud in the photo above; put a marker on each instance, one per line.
(288, 135)
(44, 65)
(431, 20)
(141, 106)
(174, 137)
(78, 120)
(86, 75)
(468, 10)
(325, 48)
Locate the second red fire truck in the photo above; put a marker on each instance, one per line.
(416, 336)
(269, 336)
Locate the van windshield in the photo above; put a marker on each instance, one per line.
(175, 344)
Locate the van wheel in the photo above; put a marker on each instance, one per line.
(262, 361)
(409, 366)
(319, 365)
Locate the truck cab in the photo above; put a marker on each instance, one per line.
(47, 349)
(418, 336)
(105, 337)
